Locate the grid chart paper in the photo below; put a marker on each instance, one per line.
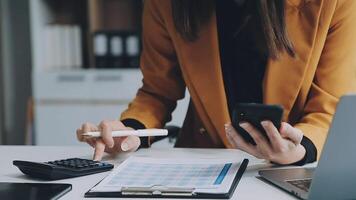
(212, 175)
(171, 175)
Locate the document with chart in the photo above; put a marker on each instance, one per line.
(155, 176)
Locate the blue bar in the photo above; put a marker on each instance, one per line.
(222, 174)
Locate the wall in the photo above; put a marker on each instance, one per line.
(1, 79)
(16, 68)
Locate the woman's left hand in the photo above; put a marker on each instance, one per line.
(283, 146)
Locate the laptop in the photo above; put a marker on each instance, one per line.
(335, 175)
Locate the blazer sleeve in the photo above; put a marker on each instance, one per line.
(335, 74)
(162, 81)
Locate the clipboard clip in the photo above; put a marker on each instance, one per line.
(157, 190)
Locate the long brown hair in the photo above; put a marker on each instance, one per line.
(190, 15)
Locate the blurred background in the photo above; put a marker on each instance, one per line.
(66, 62)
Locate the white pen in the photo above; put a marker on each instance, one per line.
(124, 133)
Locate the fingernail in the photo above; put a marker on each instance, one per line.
(95, 158)
(264, 123)
(226, 126)
(243, 124)
(125, 146)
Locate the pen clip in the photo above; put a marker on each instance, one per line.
(157, 190)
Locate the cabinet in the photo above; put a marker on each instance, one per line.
(65, 96)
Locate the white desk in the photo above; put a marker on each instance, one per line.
(248, 188)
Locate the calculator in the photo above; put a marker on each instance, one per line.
(61, 169)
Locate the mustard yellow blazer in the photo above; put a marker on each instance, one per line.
(308, 87)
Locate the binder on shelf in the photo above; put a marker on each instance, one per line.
(66, 47)
(77, 47)
(117, 59)
(133, 50)
(62, 47)
(117, 49)
(56, 48)
(101, 50)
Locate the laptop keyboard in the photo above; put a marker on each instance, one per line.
(303, 184)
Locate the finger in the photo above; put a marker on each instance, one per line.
(106, 133)
(79, 135)
(130, 143)
(99, 150)
(294, 134)
(118, 125)
(237, 141)
(272, 133)
(230, 138)
(88, 127)
(233, 136)
(91, 142)
(255, 134)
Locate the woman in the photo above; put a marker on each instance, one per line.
(300, 54)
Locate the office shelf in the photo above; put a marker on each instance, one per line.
(65, 97)
(91, 85)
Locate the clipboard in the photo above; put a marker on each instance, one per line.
(166, 192)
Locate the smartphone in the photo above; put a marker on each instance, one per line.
(255, 114)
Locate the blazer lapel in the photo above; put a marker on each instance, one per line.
(284, 77)
(201, 62)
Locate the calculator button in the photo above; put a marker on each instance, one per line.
(77, 163)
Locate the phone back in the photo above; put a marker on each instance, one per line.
(255, 114)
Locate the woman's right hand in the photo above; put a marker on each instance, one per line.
(106, 143)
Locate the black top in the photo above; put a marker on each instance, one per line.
(243, 65)
(243, 61)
